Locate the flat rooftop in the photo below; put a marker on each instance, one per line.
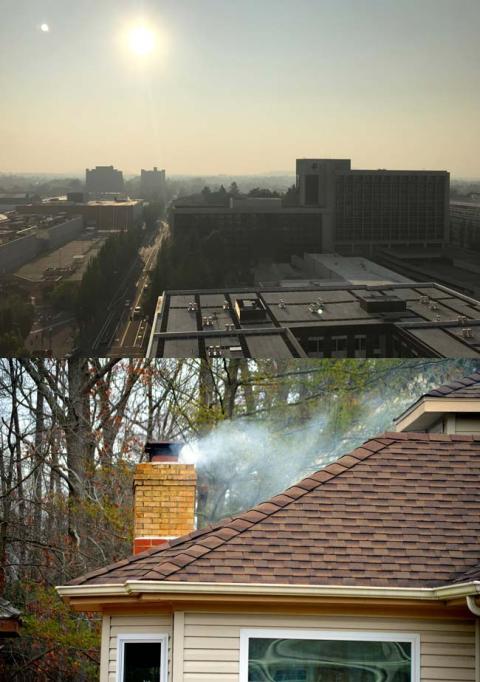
(62, 259)
(441, 321)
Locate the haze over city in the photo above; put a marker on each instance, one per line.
(221, 87)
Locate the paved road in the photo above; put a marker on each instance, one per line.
(132, 333)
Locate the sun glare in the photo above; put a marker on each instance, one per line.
(141, 40)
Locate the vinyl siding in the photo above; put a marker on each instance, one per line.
(121, 625)
(463, 424)
(211, 643)
(207, 645)
(467, 424)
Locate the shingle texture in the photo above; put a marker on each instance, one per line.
(467, 387)
(402, 510)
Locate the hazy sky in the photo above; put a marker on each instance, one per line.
(240, 86)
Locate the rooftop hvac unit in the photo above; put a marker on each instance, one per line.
(462, 319)
(467, 333)
(250, 310)
(433, 306)
(207, 321)
(281, 304)
(226, 305)
(379, 302)
(424, 300)
(229, 327)
(192, 307)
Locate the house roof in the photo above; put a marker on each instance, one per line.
(467, 387)
(402, 510)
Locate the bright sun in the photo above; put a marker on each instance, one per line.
(141, 40)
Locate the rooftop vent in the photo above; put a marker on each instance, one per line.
(207, 321)
(250, 310)
(379, 302)
(214, 352)
(316, 308)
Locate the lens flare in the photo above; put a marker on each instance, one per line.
(45, 28)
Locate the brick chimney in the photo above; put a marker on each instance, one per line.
(164, 494)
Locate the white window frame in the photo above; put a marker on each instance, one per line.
(334, 635)
(143, 638)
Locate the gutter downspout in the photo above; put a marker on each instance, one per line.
(475, 609)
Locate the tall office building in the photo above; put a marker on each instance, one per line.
(104, 180)
(152, 184)
(364, 209)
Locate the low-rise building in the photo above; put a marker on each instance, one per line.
(114, 215)
(261, 228)
(33, 234)
(337, 321)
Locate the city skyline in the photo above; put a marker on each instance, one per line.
(238, 89)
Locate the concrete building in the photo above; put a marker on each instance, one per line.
(364, 209)
(337, 321)
(104, 215)
(352, 212)
(36, 236)
(465, 224)
(152, 184)
(259, 227)
(104, 180)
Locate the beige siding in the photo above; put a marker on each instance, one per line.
(212, 643)
(121, 625)
(467, 424)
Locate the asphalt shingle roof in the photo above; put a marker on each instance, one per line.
(401, 510)
(467, 387)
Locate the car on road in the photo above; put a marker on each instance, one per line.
(137, 313)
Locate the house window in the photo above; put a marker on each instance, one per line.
(327, 656)
(142, 658)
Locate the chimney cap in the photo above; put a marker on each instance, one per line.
(163, 451)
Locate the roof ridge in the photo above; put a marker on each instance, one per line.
(420, 435)
(264, 509)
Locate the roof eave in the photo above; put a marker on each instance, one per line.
(428, 407)
(135, 588)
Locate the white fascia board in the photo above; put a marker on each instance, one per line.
(430, 406)
(138, 587)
